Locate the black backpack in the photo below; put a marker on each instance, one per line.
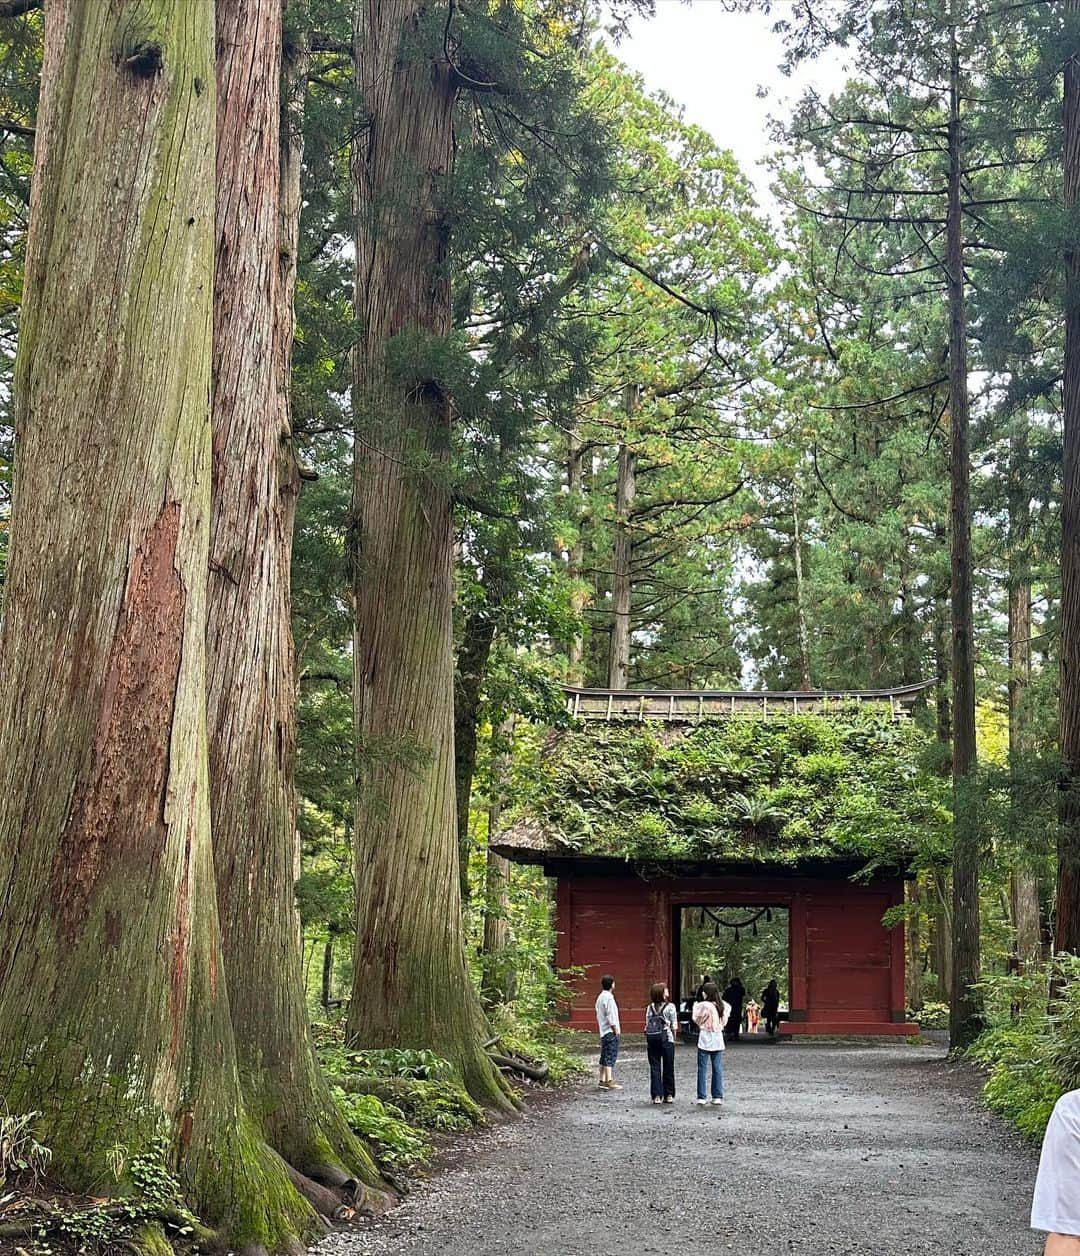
(655, 1024)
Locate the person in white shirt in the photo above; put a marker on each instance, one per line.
(1056, 1205)
(607, 1021)
(711, 1015)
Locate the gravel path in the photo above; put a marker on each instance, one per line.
(853, 1150)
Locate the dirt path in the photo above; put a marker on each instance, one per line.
(857, 1151)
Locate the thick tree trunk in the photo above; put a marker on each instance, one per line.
(575, 484)
(499, 978)
(472, 660)
(251, 690)
(1024, 888)
(800, 593)
(1067, 927)
(411, 986)
(327, 973)
(622, 558)
(109, 949)
(966, 1019)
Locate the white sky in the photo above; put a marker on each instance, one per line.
(713, 62)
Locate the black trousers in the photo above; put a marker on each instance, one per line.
(661, 1068)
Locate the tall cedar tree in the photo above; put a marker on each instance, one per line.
(250, 683)
(112, 985)
(1067, 932)
(411, 986)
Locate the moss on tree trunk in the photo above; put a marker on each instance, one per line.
(113, 991)
(411, 985)
(251, 690)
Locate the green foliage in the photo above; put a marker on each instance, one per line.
(396, 1143)
(1032, 1053)
(539, 1040)
(741, 789)
(932, 1015)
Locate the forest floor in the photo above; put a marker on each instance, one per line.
(857, 1150)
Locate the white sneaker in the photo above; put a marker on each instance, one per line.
(703, 1103)
(717, 1102)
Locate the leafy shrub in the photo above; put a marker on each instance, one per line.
(1034, 1058)
(931, 1015)
(396, 1143)
(442, 1107)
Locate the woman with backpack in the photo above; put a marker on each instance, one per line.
(661, 1022)
(711, 1015)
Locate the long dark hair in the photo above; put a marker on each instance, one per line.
(657, 992)
(711, 993)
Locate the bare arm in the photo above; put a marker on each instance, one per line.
(1062, 1245)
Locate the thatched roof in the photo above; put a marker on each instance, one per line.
(787, 790)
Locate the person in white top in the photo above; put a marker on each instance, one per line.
(711, 1015)
(607, 1021)
(1056, 1205)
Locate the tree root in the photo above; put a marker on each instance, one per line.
(329, 1204)
(535, 1070)
(367, 1200)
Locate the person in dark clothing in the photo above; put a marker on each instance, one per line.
(661, 1025)
(699, 993)
(735, 994)
(770, 1007)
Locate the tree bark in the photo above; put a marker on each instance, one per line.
(622, 557)
(251, 688)
(112, 984)
(327, 972)
(498, 972)
(575, 484)
(478, 637)
(411, 985)
(1024, 887)
(800, 593)
(965, 1018)
(1067, 920)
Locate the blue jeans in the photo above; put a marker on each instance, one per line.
(703, 1061)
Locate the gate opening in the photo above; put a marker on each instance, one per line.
(750, 942)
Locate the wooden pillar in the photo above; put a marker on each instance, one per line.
(797, 996)
(660, 956)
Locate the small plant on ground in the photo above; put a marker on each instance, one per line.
(20, 1152)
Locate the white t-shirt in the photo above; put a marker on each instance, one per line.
(607, 1014)
(1056, 1205)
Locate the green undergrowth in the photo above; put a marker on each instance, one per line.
(795, 787)
(152, 1214)
(1031, 1053)
(539, 1040)
(396, 1098)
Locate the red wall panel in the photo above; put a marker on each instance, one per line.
(846, 967)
